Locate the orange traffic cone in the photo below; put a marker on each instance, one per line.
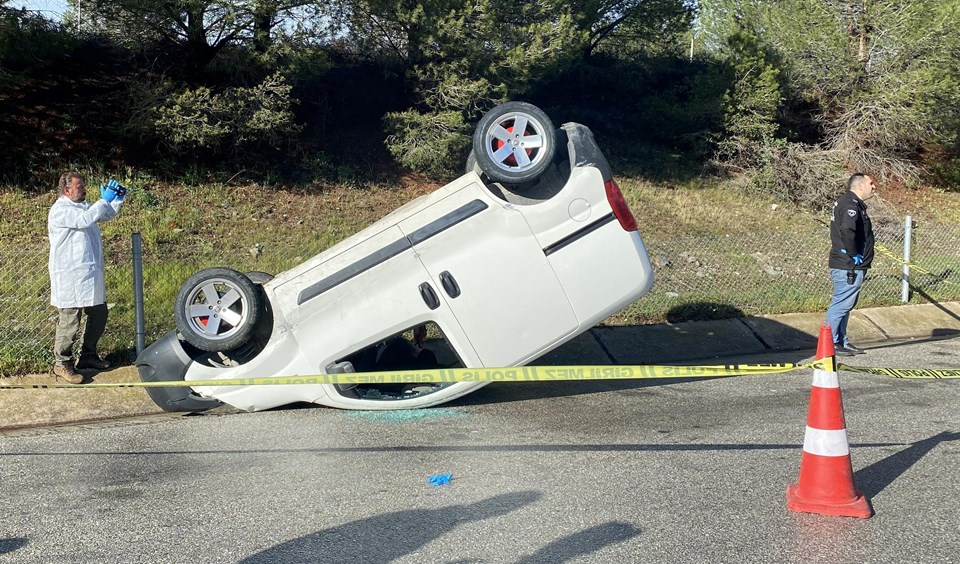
(826, 474)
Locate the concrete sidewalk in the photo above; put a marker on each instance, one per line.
(696, 340)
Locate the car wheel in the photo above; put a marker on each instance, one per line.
(514, 143)
(218, 309)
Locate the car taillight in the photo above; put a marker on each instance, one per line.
(620, 208)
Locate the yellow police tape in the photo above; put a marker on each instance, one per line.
(510, 374)
(886, 252)
(906, 373)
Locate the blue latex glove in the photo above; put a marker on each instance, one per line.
(438, 480)
(857, 258)
(120, 189)
(108, 194)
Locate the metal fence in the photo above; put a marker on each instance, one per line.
(696, 278)
(53, 10)
(786, 272)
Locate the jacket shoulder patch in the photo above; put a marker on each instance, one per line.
(852, 213)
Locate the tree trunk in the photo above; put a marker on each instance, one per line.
(264, 14)
(858, 28)
(199, 51)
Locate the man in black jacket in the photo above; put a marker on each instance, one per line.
(851, 253)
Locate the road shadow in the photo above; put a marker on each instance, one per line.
(582, 543)
(874, 478)
(384, 538)
(12, 544)
(934, 301)
(944, 333)
(936, 335)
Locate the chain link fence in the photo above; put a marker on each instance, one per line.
(52, 10)
(771, 273)
(710, 277)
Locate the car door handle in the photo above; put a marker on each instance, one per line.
(429, 296)
(449, 284)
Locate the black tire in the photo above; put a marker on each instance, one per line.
(265, 327)
(232, 314)
(259, 277)
(510, 156)
(471, 165)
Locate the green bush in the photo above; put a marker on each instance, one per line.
(750, 105)
(203, 119)
(434, 143)
(28, 40)
(949, 172)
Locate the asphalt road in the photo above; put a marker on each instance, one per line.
(664, 471)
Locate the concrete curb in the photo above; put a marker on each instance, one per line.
(653, 344)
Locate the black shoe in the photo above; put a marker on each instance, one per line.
(844, 351)
(93, 362)
(856, 350)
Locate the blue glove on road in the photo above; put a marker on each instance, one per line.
(112, 190)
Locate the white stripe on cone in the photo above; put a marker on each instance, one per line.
(826, 443)
(824, 379)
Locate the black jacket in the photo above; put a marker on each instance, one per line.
(850, 229)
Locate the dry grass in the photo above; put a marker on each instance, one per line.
(711, 209)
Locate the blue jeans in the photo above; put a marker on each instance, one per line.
(844, 299)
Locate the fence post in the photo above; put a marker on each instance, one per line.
(138, 292)
(905, 284)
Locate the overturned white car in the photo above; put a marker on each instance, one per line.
(528, 249)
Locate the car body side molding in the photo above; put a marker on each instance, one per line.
(458, 215)
(578, 234)
(348, 272)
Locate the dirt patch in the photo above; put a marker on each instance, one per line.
(32, 407)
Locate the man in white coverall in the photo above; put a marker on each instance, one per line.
(76, 271)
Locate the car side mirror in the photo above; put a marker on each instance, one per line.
(342, 367)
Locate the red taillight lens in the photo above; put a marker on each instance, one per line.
(620, 208)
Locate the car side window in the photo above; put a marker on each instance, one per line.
(421, 347)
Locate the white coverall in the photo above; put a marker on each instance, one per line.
(76, 251)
